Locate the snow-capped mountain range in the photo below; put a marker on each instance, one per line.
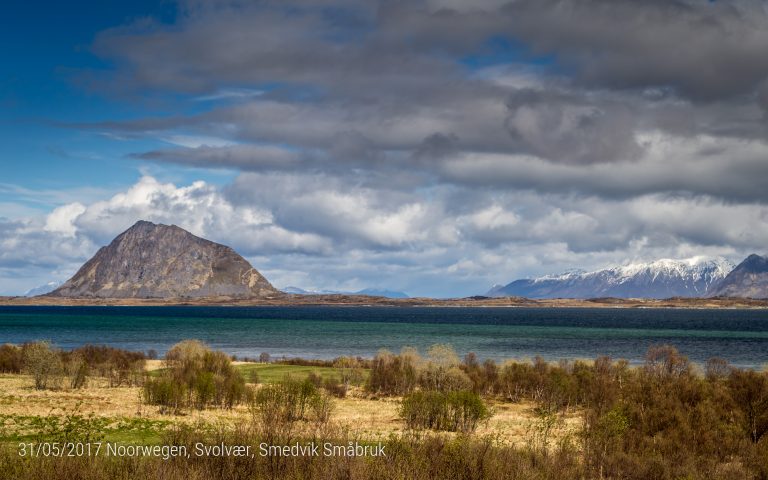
(693, 277)
(374, 292)
(43, 289)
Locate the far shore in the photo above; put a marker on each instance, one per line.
(338, 300)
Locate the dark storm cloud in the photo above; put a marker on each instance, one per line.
(705, 50)
(569, 128)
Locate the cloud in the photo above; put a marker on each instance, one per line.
(732, 170)
(199, 208)
(567, 128)
(435, 146)
(245, 157)
(319, 231)
(61, 219)
(230, 93)
(703, 50)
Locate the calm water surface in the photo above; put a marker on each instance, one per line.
(740, 336)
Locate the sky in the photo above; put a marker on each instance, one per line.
(435, 147)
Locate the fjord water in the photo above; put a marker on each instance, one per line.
(739, 336)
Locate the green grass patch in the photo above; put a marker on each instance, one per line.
(271, 372)
(37, 428)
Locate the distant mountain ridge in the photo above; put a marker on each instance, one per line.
(694, 277)
(43, 289)
(373, 292)
(165, 261)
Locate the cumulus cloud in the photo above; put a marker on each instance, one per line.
(312, 231)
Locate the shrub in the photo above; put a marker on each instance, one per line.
(168, 394)
(195, 377)
(749, 391)
(392, 374)
(44, 364)
(78, 371)
(11, 359)
(315, 379)
(350, 369)
(399, 374)
(278, 406)
(120, 367)
(664, 362)
(449, 411)
(335, 387)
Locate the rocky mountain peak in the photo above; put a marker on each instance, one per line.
(748, 279)
(165, 261)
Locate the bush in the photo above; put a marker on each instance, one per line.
(11, 359)
(392, 374)
(44, 363)
(350, 369)
(78, 371)
(335, 387)
(195, 377)
(749, 391)
(450, 411)
(120, 367)
(278, 406)
(170, 395)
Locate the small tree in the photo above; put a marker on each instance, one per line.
(44, 364)
(78, 371)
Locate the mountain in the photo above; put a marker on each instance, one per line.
(748, 279)
(373, 292)
(665, 278)
(161, 261)
(298, 291)
(43, 289)
(376, 292)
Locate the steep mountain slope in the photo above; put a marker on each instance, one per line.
(660, 279)
(748, 279)
(162, 261)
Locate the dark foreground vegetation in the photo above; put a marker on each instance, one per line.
(665, 419)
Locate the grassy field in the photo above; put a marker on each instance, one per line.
(274, 372)
(117, 412)
(666, 419)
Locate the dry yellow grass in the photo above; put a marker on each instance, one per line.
(360, 415)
